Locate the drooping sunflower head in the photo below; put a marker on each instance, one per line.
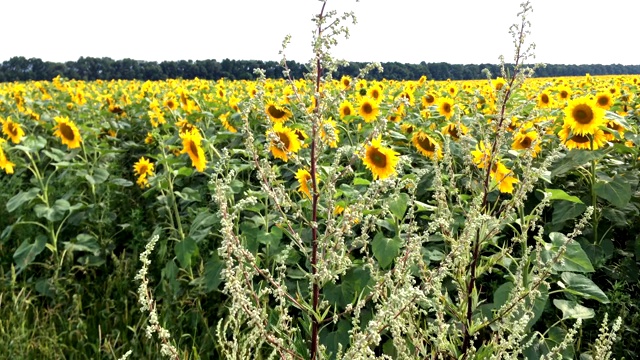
(5, 164)
(583, 116)
(380, 160)
(13, 130)
(283, 142)
(615, 128)
(573, 140)
(67, 131)
(191, 145)
(368, 109)
(426, 145)
(304, 181)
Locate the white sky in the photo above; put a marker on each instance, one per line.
(407, 31)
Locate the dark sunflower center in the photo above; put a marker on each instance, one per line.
(564, 94)
(375, 94)
(346, 111)
(285, 139)
(377, 158)
(603, 100)
(171, 104)
(429, 99)
(13, 130)
(453, 131)
(143, 169)
(367, 108)
(499, 86)
(193, 149)
(580, 139)
(275, 112)
(363, 92)
(544, 98)
(426, 144)
(583, 114)
(446, 107)
(526, 142)
(67, 132)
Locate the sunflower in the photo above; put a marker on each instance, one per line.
(452, 90)
(304, 180)
(283, 142)
(583, 116)
(191, 145)
(481, 155)
(582, 141)
(345, 82)
(445, 107)
(368, 109)
(564, 93)
(544, 100)
(329, 132)
(68, 132)
(143, 169)
(346, 109)
(277, 113)
(380, 160)
(426, 145)
(524, 140)
(5, 164)
(224, 119)
(408, 95)
(499, 83)
(451, 129)
(13, 130)
(170, 103)
(614, 126)
(501, 175)
(375, 93)
(428, 100)
(603, 100)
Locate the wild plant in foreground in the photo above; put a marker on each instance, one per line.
(341, 246)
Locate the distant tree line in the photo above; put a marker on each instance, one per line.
(87, 68)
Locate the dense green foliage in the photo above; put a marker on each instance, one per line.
(20, 68)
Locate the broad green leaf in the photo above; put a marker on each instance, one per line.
(361, 181)
(55, 213)
(331, 339)
(355, 283)
(579, 284)
(27, 252)
(201, 225)
(212, 270)
(385, 250)
(617, 192)
(573, 310)
(185, 249)
(566, 210)
(574, 159)
(398, 206)
(574, 258)
(83, 242)
(21, 198)
(121, 182)
(558, 194)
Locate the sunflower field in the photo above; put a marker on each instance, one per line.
(320, 217)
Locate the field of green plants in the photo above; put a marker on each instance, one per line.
(321, 218)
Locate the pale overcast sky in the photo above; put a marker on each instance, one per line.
(407, 31)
